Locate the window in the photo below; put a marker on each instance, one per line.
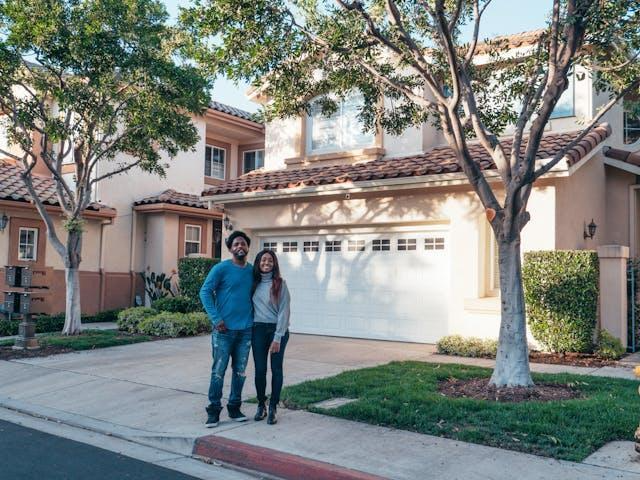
(381, 245)
(631, 127)
(289, 246)
(253, 160)
(273, 246)
(406, 244)
(192, 239)
(311, 246)
(565, 105)
(214, 161)
(340, 131)
(434, 243)
(356, 246)
(333, 246)
(28, 244)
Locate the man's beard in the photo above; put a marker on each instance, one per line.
(240, 254)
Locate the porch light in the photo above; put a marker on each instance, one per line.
(590, 230)
(3, 222)
(227, 224)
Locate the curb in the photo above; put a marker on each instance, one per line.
(273, 462)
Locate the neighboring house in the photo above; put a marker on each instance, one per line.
(381, 236)
(150, 222)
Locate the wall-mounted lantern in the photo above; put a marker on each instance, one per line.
(589, 230)
(227, 224)
(4, 220)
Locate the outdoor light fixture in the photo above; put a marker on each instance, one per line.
(3, 222)
(227, 224)
(590, 230)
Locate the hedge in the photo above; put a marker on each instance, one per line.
(561, 296)
(192, 273)
(179, 304)
(129, 319)
(467, 346)
(168, 324)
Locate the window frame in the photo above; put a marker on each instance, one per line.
(36, 232)
(244, 160)
(187, 241)
(381, 245)
(224, 161)
(626, 128)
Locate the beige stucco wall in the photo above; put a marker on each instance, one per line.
(615, 229)
(161, 249)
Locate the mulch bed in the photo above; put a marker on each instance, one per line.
(8, 353)
(480, 389)
(573, 359)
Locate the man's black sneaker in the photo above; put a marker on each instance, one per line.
(213, 418)
(235, 414)
(272, 418)
(260, 413)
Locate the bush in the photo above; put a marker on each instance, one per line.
(192, 273)
(129, 319)
(106, 316)
(561, 296)
(467, 347)
(179, 304)
(608, 346)
(44, 324)
(167, 324)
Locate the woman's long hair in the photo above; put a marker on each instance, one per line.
(276, 285)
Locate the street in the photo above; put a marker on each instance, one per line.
(27, 454)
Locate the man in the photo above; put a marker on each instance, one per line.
(226, 296)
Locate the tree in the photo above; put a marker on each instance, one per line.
(95, 83)
(409, 61)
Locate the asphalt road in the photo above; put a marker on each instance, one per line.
(27, 454)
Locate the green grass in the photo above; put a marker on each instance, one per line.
(88, 340)
(404, 395)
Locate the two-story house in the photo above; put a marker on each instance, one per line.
(381, 236)
(138, 222)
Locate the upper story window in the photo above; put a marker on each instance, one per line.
(566, 103)
(631, 127)
(341, 131)
(28, 244)
(253, 160)
(214, 161)
(192, 239)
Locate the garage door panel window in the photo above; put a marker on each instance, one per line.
(381, 245)
(311, 246)
(406, 244)
(273, 246)
(356, 246)
(434, 243)
(289, 247)
(332, 246)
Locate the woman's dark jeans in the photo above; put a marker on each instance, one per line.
(260, 343)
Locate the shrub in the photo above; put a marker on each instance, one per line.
(467, 346)
(179, 304)
(608, 346)
(106, 316)
(561, 296)
(129, 319)
(168, 324)
(192, 273)
(44, 324)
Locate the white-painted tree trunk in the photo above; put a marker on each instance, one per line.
(512, 359)
(72, 320)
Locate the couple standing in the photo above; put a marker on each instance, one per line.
(249, 309)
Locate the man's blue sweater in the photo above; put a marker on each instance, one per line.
(226, 295)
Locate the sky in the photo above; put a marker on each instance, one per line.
(502, 17)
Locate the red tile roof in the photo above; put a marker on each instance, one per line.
(436, 161)
(13, 188)
(522, 39)
(623, 155)
(174, 198)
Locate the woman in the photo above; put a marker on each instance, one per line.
(270, 330)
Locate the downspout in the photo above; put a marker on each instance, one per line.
(132, 257)
(103, 282)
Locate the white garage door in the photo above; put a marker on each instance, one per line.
(391, 286)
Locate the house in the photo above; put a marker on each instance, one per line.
(138, 222)
(381, 236)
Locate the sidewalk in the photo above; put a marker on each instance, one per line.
(154, 394)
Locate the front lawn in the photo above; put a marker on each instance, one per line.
(87, 340)
(404, 395)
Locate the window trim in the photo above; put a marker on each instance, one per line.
(35, 244)
(625, 128)
(224, 161)
(255, 150)
(199, 242)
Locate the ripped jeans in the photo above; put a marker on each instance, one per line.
(235, 344)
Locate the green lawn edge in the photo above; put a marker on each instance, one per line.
(87, 340)
(404, 395)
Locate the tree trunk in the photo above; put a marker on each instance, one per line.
(73, 312)
(512, 359)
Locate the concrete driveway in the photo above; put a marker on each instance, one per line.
(160, 387)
